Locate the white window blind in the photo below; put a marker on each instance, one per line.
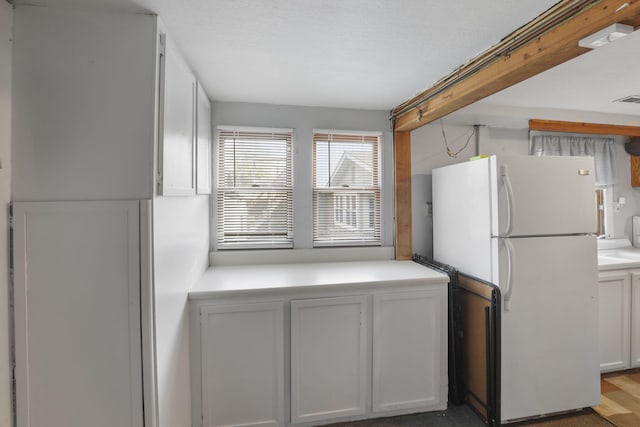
(255, 190)
(346, 189)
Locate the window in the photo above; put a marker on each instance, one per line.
(600, 211)
(346, 189)
(255, 189)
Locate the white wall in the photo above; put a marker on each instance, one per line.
(622, 188)
(6, 22)
(83, 105)
(181, 248)
(428, 151)
(304, 120)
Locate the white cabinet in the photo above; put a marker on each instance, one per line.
(635, 319)
(328, 358)
(177, 118)
(184, 155)
(378, 350)
(78, 313)
(614, 297)
(407, 372)
(242, 364)
(203, 142)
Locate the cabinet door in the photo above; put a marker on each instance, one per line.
(328, 358)
(409, 349)
(77, 314)
(176, 153)
(635, 319)
(242, 365)
(203, 142)
(614, 294)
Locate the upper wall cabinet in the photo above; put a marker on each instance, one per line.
(176, 162)
(83, 103)
(113, 98)
(203, 142)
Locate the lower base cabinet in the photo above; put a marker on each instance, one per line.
(406, 370)
(635, 319)
(242, 364)
(619, 313)
(316, 359)
(328, 358)
(614, 297)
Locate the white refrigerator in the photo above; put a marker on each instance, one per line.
(527, 225)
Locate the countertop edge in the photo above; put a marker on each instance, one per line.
(200, 295)
(207, 288)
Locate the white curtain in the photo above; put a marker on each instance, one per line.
(600, 148)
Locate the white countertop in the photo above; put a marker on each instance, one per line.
(218, 281)
(617, 254)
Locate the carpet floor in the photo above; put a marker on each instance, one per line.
(619, 406)
(463, 416)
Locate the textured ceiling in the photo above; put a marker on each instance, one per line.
(369, 54)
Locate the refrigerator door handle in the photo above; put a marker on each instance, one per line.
(510, 273)
(509, 196)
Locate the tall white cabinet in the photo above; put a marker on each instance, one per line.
(93, 126)
(78, 313)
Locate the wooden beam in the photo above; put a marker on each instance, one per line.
(402, 167)
(553, 47)
(576, 127)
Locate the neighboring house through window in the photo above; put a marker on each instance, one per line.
(346, 188)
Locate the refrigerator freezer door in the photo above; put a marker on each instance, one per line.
(540, 196)
(462, 206)
(549, 334)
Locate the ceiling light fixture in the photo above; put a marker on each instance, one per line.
(606, 35)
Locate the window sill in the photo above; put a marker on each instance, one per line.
(297, 256)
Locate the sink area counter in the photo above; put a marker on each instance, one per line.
(616, 254)
(230, 280)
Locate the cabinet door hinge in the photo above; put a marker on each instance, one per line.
(14, 403)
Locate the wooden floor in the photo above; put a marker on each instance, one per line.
(620, 401)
